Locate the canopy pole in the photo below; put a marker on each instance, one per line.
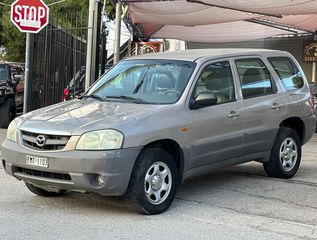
(314, 70)
(116, 55)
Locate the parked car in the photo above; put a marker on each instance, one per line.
(155, 120)
(11, 91)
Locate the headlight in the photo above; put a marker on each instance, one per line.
(12, 131)
(100, 140)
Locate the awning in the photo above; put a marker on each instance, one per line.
(217, 21)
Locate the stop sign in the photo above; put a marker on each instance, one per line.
(29, 16)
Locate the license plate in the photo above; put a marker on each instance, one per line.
(37, 161)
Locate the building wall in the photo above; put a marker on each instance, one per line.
(293, 45)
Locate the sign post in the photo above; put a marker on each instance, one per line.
(29, 17)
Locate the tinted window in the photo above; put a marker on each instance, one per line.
(3, 73)
(254, 77)
(288, 73)
(217, 79)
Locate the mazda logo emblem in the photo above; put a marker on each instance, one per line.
(40, 140)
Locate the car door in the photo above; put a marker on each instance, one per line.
(291, 78)
(264, 104)
(217, 130)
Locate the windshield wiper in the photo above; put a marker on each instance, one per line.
(129, 98)
(94, 97)
(137, 88)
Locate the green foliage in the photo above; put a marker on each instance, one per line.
(14, 41)
(10, 37)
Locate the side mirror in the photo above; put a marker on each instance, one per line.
(204, 99)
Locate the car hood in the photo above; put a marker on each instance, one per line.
(79, 116)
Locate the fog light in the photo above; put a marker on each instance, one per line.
(101, 181)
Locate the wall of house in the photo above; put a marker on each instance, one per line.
(293, 45)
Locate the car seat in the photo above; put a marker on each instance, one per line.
(219, 86)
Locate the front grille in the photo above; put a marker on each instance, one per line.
(52, 142)
(43, 174)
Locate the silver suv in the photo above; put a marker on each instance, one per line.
(155, 120)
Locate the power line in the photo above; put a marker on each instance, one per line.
(4, 4)
(54, 3)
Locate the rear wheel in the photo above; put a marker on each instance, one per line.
(43, 193)
(153, 181)
(285, 154)
(7, 112)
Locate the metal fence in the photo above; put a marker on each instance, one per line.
(58, 54)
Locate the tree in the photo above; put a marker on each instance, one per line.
(10, 37)
(14, 41)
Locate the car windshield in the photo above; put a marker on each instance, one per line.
(144, 81)
(3, 73)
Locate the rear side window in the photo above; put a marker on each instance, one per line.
(288, 73)
(254, 77)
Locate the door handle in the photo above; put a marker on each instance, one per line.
(233, 115)
(275, 106)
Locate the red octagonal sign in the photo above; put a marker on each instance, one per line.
(29, 16)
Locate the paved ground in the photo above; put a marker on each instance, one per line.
(236, 203)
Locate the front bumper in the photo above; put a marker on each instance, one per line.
(83, 167)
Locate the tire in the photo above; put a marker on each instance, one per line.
(153, 182)
(43, 193)
(7, 112)
(285, 155)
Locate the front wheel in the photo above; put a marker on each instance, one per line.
(153, 181)
(43, 193)
(285, 154)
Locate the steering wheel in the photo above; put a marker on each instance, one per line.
(172, 91)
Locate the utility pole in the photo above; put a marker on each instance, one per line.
(92, 4)
(116, 54)
(97, 42)
(104, 34)
(314, 70)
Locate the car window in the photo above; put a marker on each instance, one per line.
(3, 73)
(217, 78)
(288, 73)
(254, 77)
(152, 81)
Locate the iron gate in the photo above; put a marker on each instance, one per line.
(58, 54)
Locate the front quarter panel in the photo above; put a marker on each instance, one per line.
(166, 123)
